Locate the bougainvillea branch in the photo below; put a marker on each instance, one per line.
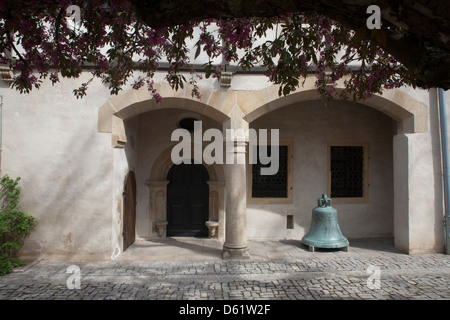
(38, 41)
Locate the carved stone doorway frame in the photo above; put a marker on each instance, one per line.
(157, 187)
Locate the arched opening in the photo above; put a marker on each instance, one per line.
(187, 200)
(149, 154)
(310, 131)
(410, 128)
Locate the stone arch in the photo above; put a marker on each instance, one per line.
(134, 102)
(411, 115)
(214, 105)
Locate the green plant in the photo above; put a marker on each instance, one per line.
(15, 225)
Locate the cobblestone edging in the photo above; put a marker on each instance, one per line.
(401, 277)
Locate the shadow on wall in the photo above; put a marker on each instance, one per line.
(66, 186)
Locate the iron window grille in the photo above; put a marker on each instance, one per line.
(347, 169)
(271, 186)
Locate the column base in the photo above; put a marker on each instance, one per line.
(235, 253)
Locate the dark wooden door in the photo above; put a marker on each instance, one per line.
(129, 214)
(187, 200)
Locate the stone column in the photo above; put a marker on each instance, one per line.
(235, 245)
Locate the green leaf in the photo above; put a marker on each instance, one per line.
(285, 57)
(13, 223)
(208, 70)
(197, 52)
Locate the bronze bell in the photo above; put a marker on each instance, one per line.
(324, 231)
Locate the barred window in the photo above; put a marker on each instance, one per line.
(347, 171)
(271, 186)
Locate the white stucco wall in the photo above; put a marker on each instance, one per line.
(50, 140)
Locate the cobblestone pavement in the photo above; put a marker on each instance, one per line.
(315, 277)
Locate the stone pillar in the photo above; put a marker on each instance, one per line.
(417, 195)
(235, 245)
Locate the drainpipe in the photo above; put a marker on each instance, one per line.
(445, 167)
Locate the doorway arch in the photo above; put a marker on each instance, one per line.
(158, 192)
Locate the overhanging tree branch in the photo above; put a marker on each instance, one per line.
(417, 32)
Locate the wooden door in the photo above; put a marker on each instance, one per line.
(187, 200)
(129, 215)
